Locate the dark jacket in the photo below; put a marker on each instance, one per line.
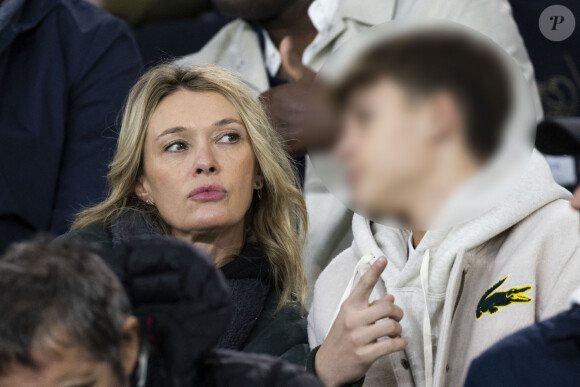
(65, 70)
(544, 354)
(256, 325)
(183, 305)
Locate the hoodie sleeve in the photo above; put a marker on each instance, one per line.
(327, 294)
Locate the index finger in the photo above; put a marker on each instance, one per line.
(363, 289)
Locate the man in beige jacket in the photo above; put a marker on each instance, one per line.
(425, 126)
(250, 46)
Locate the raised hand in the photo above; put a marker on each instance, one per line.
(361, 334)
(300, 109)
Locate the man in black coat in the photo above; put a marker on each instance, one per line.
(65, 69)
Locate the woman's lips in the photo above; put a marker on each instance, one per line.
(207, 193)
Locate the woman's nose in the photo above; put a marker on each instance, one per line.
(205, 163)
(205, 170)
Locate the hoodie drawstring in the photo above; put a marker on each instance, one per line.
(427, 342)
(365, 262)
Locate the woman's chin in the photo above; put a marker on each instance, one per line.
(211, 221)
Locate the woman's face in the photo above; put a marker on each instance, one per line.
(199, 167)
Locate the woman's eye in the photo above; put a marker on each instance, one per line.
(230, 138)
(176, 147)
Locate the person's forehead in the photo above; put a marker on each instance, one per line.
(59, 356)
(381, 91)
(53, 367)
(191, 109)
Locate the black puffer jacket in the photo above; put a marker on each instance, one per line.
(183, 305)
(256, 326)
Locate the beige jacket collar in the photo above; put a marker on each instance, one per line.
(237, 46)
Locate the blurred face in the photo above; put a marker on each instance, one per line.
(385, 146)
(199, 167)
(576, 199)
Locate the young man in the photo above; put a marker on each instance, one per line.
(68, 322)
(424, 119)
(277, 45)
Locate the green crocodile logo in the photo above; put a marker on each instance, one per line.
(491, 300)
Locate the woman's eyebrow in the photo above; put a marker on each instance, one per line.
(177, 129)
(227, 121)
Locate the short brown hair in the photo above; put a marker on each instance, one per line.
(47, 285)
(432, 60)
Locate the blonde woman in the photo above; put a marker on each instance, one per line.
(198, 160)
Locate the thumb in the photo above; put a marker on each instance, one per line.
(292, 62)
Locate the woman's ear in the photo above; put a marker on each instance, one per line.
(258, 179)
(142, 192)
(129, 344)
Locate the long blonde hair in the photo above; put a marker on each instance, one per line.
(277, 221)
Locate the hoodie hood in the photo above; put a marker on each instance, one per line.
(534, 189)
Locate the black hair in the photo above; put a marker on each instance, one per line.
(432, 60)
(59, 285)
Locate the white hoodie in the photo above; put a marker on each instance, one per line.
(531, 236)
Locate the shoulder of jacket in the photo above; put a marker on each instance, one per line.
(289, 315)
(332, 282)
(551, 238)
(556, 217)
(328, 291)
(228, 37)
(343, 263)
(87, 18)
(96, 233)
(289, 322)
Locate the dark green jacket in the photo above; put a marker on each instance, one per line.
(281, 333)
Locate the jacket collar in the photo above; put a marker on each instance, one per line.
(134, 223)
(369, 12)
(9, 15)
(8, 9)
(17, 16)
(244, 54)
(251, 263)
